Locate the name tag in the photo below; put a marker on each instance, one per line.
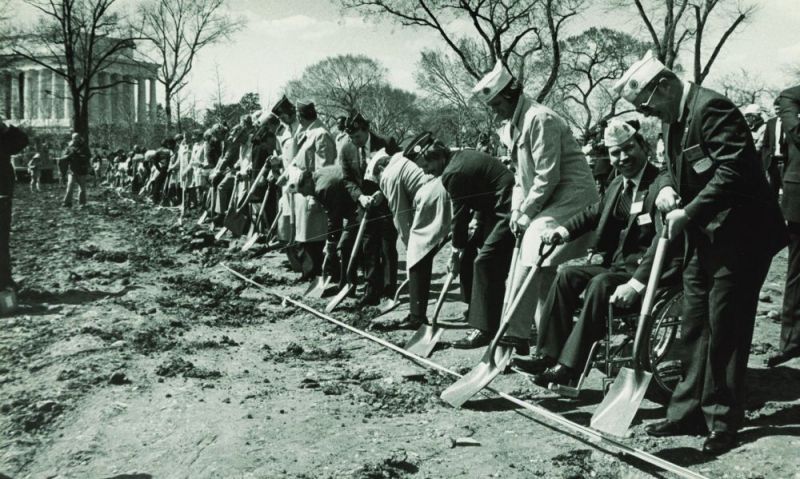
(702, 165)
(644, 219)
(637, 207)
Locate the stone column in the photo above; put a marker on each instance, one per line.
(56, 98)
(153, 104)
(17, 94)
(5, 94)
(113, 96)
(128, 106)
(44, 94)
(141, 98)
(31, 94)
(68, 109)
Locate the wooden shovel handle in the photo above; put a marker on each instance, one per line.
(359, 236)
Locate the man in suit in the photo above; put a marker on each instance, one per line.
(12, 141)
(714, 192)
(788, 103)
(326, 186)
(478, 184)
(380, 237)
(773, 151)
(627, 224)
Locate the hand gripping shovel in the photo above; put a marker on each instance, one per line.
(496, 356)
(426, 337)
(210, 198)
(350, 264)
(615, 414)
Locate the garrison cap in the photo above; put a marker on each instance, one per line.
(492, 83)
(617, 133)
(638, 76)
(355, 122)
(283, 106)
(306, 107)
(419, 145)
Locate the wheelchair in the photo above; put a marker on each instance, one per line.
(661, 353)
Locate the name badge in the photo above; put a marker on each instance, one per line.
(644, 219)
(637, 207)
(702, 165)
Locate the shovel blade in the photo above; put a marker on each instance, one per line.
(220, 233)
(424, 340)
(318, 286)
(389, 306)
(251, 241)
(615, 414)
(481, 375)
(236, 224)
(202, 218)
(338, 298)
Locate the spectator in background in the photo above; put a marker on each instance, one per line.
(77, 158)
(774, 150)
(12, 141)
(35, 170)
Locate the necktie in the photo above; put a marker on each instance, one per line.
(624, 202)
(362, 153)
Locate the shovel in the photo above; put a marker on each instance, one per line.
(395, 302)
(238, 219)
(320, 283)
(231, 206)
(203, 216)
(496, 356)
(270, 233)
(350, 264)
(426, 337)
(615, 414)
(257, 222)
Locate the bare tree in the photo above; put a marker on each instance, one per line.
(593, 61)
(510, 31)
(77, 39)
(178, 30)
(744, 88)
(689, 22)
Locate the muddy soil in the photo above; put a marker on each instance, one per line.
(135, 355)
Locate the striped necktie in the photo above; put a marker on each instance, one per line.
(624, 202)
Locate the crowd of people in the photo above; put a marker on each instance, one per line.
(714, 191)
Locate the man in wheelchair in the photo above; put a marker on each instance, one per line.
(627, 224)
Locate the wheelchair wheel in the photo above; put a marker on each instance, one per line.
(663, 346)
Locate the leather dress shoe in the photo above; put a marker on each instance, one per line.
(558, 374)
(719, 442)
(520, 345)
(474, 339)
(781, 357)
(671, 428)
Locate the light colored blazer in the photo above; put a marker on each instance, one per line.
(553, 179)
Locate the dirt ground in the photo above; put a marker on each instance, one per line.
(136, 356)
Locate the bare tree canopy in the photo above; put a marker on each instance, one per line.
(177, 30)
(509, 31)
(347, 83)
(686, 23)
(593, 61)
(744, 88)
(77, 39)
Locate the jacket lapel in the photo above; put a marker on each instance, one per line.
(610, 199)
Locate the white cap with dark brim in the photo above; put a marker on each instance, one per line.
(492, 83)
(638, 76)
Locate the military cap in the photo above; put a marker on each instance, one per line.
(638, 76)
(617, 133)
(355, 122)
(306, 108)
(419, 145)
(492, 83)
(283, 106)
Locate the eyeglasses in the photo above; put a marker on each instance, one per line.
(645, 107)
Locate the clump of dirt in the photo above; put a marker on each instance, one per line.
(178, 366)
(224, 341)
(30, 415)
(104, 334)
(296, 351)
(220, 302)
(389, 398)
(94, 253)
(397, 466)
(579, 464)
(153, 338)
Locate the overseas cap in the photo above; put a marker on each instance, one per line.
(306, 107)
(355, 122)
(418, 145)
(638, 76)
(283, 106)
(492, 83)
(617, 133)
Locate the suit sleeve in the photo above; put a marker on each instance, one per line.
(544, 142)
(788, 111)
(347, 158)
(458, 188)
(14, 141)
(585, 221)
(727, 140)
(326, 149)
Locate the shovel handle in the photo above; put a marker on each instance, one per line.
(356, 244)
(650, 294)
(440, 302)
(263, 206)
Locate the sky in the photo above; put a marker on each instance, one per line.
(282, 37)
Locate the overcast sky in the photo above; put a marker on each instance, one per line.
(282, 37)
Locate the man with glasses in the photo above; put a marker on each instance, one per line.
(714, 192)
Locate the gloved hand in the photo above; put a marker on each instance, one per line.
(365, 201)
(667, 200)
(557, 235)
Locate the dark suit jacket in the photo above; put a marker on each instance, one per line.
(789, 111)
(353, 167)
(713, 165)
(330, 191)
(638, 240)
(480, 184)
(12, 141)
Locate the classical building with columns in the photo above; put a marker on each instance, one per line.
(34, 96)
